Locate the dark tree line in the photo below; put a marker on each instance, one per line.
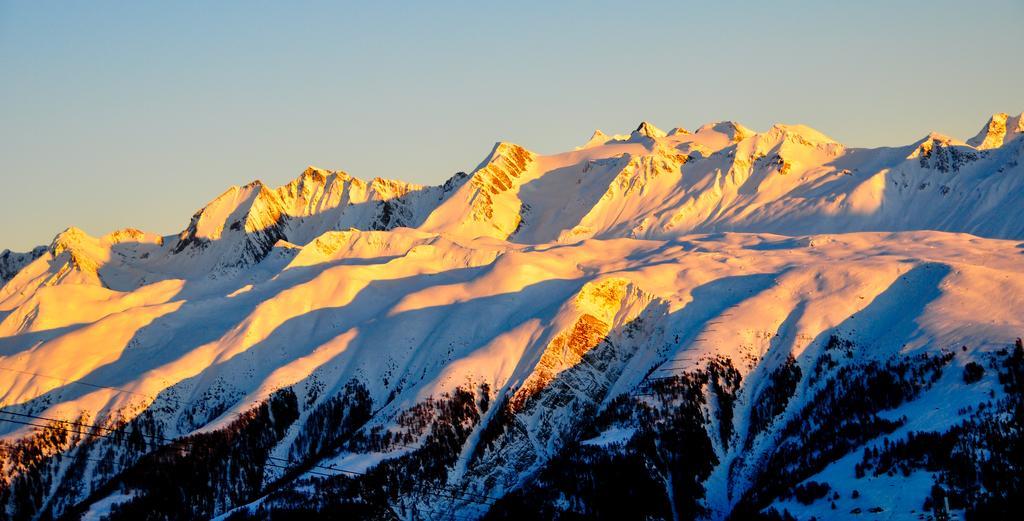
(772, 401)
(201, 474)
(658, 473)
(838, 417)
(980, 462)
(439, 428)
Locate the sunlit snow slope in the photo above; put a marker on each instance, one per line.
(722, 318)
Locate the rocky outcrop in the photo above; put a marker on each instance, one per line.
(1001, 128)
(12, 262)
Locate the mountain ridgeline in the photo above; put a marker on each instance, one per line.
(707, 324)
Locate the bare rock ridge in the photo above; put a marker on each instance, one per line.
(711, 324)
(649, 184)
(1001, 128)
(646, 129)
(12, 262)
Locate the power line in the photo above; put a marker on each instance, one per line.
(88, 384)
(151, 436)
(449, 514)
(307, 472)
(484, 499)
(358, 473)
(67, 381)
(479, 498)
(87, 425)
(419, 488)
(172, 440)
(113, 389)
(52, 427)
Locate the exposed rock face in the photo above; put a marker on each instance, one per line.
(131, 235)
(712, 324)
(941, 153)
(648, 184)
(12, 262)
(506, 164)
(1001, 128)
(648, 130)
(567, 349)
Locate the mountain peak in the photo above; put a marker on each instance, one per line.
(1001, 128)
(83, 251)
(503, 151)
(488, 205)
(598, 138)
(313, 171)
(503, 165)
(258, 184)
(734, 130)
(131, 235)
(924, 145)
(69, 239)
(739, 285)
(12, 262)
(646, 129)
(802, 133)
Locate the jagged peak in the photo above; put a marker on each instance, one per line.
(320, 174)
(252, 189)
(801, 133)
(131, 235)
(232, 192)
(12, 262)
(455, 181)
(387, 188)
(598, 138)
(647, 129)
(312, 180)
(925, 145)
(939, 137)
(999, 129)
(80, 248)
(69, 239)
(228, 211)
(312, 171)
(497, 174)
(505, 148)
(35, 252)
(502, 152)
(943, 153)
(734, 130)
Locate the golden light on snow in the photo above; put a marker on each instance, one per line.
(666, 250)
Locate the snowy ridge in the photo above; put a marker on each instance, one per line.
(648, 184)
(693, 324)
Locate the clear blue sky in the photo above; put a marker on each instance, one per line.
(137, 113)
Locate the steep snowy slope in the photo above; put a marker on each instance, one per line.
(548, 336)
(791, 180)
(659, 325)
(647, 184)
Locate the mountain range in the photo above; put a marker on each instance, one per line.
(709, 324)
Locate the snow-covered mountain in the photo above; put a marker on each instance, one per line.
(657, 325)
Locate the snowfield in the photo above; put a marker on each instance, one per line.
(740, 314)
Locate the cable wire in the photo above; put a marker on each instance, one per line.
(444, 492)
